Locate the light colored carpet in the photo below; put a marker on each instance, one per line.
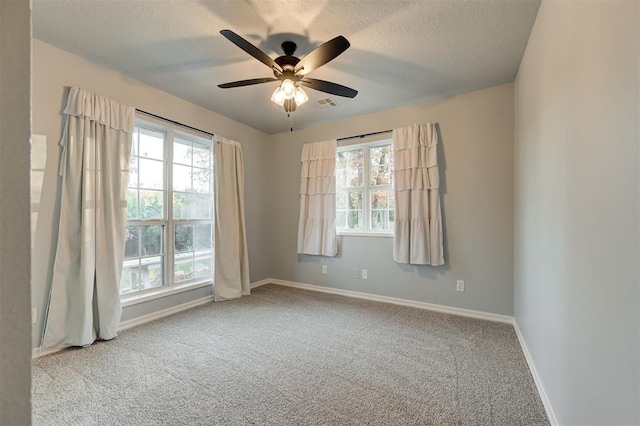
(285, 356)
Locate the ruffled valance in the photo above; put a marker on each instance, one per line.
(82, 103)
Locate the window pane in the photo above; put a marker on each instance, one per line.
(381, 162)
(380, 175)
(201, 206)
(151, 144)
(132, 204)
(392, 219)
(183, 238)
(151, 174)
(192, 206)
(131, 243)
(341, 219)
(379, 219)
(354, 219)
(201, 180)
(203, 266)
(350, 159)
(354, 200)
(151, 272)
(341, 200)
(183, 267)
(355, 177)
(181, 151)
(342, 159)
(181, 178)
(350, 168)
(129, 280)
(202, 156)
(151, 240)
(202, 237)
(151, 204)
(379, 199)
(181, 205)
(341, 178)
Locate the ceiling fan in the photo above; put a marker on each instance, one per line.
(291, 71)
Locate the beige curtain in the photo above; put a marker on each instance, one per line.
(84, 298)
(317, 222)
(418, 226)
(231, 279)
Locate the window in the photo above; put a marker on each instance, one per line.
(169, 209)
(364, 189)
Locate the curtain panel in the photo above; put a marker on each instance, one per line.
(418, 236)
(231, 279)
(84, 297)
(317, 221)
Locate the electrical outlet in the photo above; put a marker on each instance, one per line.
(364, 274)
(460, 285)
(356, 274)
(34, 315)
(325, 269)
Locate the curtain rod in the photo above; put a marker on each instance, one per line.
(364, 135)
(173, 122)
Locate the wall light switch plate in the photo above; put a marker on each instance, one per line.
(460, 285)
(34, 315)
(364, 274)
(325, 269)
(356, 274)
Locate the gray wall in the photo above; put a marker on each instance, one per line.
(55, 70)
(476, 169)
(15, 123)
(576, 228)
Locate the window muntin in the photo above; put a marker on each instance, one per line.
(169, 209)
(364, 188)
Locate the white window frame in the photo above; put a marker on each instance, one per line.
(168, 288)
(366, 188)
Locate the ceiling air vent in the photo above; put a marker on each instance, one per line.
(325, 103)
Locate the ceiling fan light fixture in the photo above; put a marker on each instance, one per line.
(300, 96)
(288, 88)
(278, 97)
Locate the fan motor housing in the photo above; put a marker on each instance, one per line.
(287, 62)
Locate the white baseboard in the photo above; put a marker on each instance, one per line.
(396, 301)
(261, 283)
(37, 352)
(133, 322)
(536, 378)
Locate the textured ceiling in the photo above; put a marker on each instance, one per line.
(402, 52)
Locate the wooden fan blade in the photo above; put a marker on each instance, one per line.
(251, 49)
(329, 87)
(321, 55)
(250, 82)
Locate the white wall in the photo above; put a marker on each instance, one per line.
(476, 171)
(576, 211)
(15, 123)
(54, 71)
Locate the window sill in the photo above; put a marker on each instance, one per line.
(159, 292)
(365, 234)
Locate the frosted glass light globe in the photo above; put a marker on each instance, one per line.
(288, 88)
